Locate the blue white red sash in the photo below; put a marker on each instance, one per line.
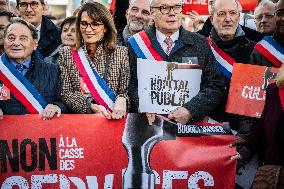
(99, 89)
(272, 50)
(143, 48)
(22, 89)
(224, 62)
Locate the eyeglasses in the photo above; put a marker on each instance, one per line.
(93, 25)
(24, 5)
(266, 15)
(167, 9)
(223, 14)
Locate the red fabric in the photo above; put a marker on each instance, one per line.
(281, 95)
(104, 154)
(268, 55)
(148, 43)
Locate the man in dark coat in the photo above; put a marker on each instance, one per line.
(167, 25)
(48, 33)
(228, 36)
(41, 80)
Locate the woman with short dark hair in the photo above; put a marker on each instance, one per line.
(68, 38)
(95, 76)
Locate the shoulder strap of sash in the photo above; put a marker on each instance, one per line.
(223, 61)
(99, 89)
(143, 48)
(272, 50)
(22, 89)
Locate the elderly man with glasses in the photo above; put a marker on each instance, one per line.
(270, 50)
(264, 17)
(174, 44)
(49, 35)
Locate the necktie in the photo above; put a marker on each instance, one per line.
(20, 67)
(170, 45)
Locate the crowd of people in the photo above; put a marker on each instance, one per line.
(87, 66)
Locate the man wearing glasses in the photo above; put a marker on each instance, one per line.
(264, 17)
(49, 35)
(174, 44)
(270, 50)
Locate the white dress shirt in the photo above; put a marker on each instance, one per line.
(161, 39)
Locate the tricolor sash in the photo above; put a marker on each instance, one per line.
(143, 48)
(272, 50)
(224, 62)
(22, 89)
(99, 89)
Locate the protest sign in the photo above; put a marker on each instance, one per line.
(164, 86)
(247, 89)
(201, 6)
(91, 152)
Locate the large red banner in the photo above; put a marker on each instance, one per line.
(201, 6)
(89, 151)
(247, 89)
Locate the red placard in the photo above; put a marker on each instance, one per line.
(247, 89)
(201, 6)
(86, 151)
(4, 93)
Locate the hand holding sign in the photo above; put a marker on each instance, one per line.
(180, 115)
(119, 109)
(95, 108)
(50, 110)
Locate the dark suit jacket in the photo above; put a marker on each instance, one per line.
(188, 45)
(46, 79)
(262, 139)
(50, 37)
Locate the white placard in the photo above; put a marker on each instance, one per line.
(161, 91)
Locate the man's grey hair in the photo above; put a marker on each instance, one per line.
(213, 8)
(154, 2)
(264, 3)
(131, 2)
(23, 22)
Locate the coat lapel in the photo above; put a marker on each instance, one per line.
(151, 32)
(184, 39)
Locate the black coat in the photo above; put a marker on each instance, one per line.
(188, 45)
(50, 37)
(263, 136)
(46, 79)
